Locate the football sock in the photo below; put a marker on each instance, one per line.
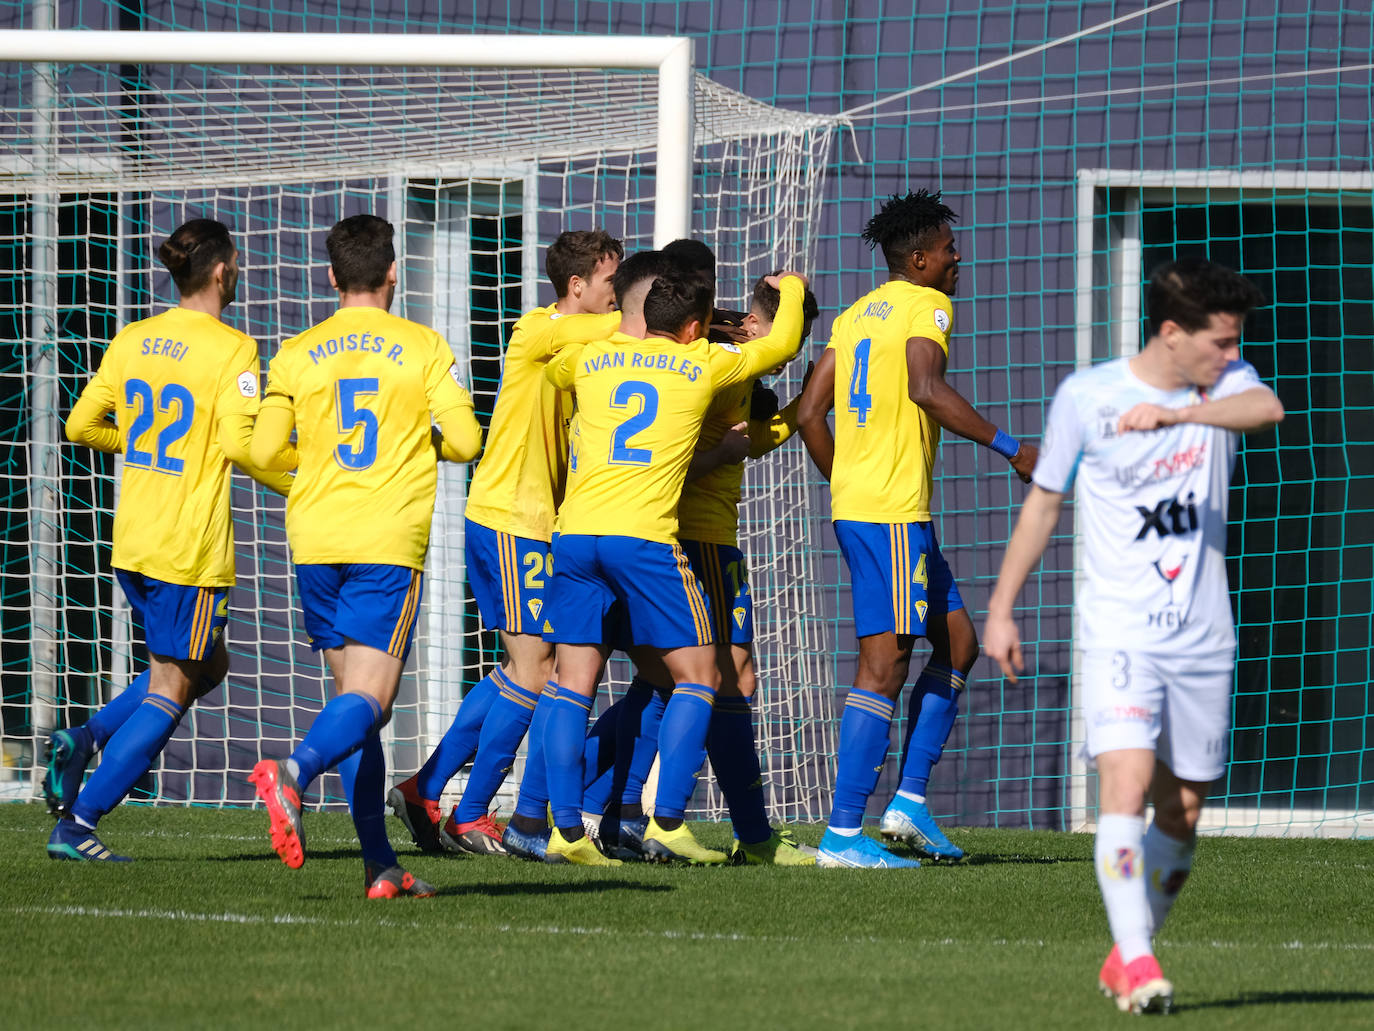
(500, 738)
(564, 737)
(111, 717)
(459, 743)
(339, 730)
(931, 708)
(636, 743)
(864, 728)
(129, 756)
(1118, 855)
(598, 760)
(533, 799)
(1168, 862)
(735, 760)
(364, 780)
(681, 748)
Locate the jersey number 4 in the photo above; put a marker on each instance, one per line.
(860, 400)
(138, 394)
(351, 415)
(624, 398)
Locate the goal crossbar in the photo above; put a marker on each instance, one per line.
(671, 56)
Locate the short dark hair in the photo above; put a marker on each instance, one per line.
(767, 298)
(577, 253)
(360, 252)
(677, 297)
(193, 250)
(636, 268)
(1190, 290)
(905, 225)
(693, 255)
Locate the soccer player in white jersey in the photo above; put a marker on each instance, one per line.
(1151, 442)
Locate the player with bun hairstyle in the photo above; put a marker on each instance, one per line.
(182, 388)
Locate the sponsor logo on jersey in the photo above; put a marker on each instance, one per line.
(453, 372)
(732, 348)
(941, 320)
(1156, 470)
(248, 384)
(1170, 516)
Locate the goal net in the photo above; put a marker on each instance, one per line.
(478, 169)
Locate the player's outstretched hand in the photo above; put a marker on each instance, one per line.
(1024, 461)
(1146, 416)
(734, 446)
(776, 281)
(1002, 643)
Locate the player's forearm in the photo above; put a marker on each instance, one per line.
(784, 340)
(947, 407)
(89, 425)
(270, 447)
(582, 329)
(461, 432)
(769, 435)
(1246, 412)
(235, 434)
(1038, 518)
(820, 444)
(563, 368)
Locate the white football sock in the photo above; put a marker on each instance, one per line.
(1167, 862)
(1118, 854)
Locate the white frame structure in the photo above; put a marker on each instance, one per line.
(1120, 314)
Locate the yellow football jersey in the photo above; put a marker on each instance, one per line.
(169, 380)
(708, 510)
(884, 443)
(640, 405)
(361, 386)
(520, 479)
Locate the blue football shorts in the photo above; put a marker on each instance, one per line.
(179, 622)
(370, 603)
(509, 577)
(663, 603)
(724, 576)
(897, 575)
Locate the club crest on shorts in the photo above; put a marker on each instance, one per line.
(739, 615)
(535, 606)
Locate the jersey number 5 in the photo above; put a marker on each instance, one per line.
(139, 393)
(860, 400)
(351, 416)
(622, 399)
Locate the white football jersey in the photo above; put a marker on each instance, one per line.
(1152, 510)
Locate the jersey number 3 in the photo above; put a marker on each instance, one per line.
(860, 400)
(622, 399)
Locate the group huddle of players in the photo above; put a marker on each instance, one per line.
(603, 515)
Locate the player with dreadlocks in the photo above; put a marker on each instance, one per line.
(883, 373)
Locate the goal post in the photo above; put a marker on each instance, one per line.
(479, 150)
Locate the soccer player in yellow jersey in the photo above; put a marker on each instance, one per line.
(640, 408)
(183, 389)
(514, 494)
(708, 521)
(359, 389)
(884, 375)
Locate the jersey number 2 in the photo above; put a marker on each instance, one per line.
(860, 400)
(351, 416)
(621, 451)
(139, 393)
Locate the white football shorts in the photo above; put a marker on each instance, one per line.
(1178, 706)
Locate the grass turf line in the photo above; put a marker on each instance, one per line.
(209, 928)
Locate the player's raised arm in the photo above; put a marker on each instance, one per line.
(1252, 408)
(777, 347)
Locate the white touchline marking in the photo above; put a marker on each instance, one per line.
(703, 936)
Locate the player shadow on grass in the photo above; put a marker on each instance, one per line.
(504, 888)
(314, 853)
(1271, 998)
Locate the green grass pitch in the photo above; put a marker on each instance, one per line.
(209, 929)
